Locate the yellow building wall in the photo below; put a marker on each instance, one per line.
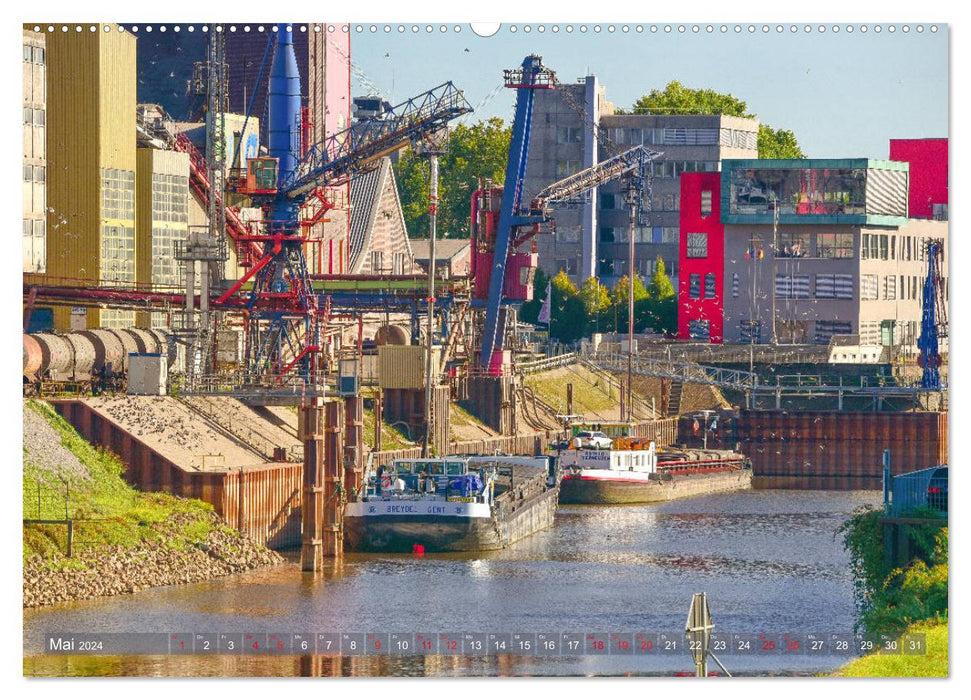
(91, 98)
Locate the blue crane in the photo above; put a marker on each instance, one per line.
(289, 183)
(517, 223)
(933, 325)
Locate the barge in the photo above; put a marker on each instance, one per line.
(636, 471)
(452, 504)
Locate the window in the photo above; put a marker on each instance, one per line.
(670, 234)
(608, 200)
(636, 136)
(565, 168)
(868, 287)
(38, 55)
(606, 268)
(28, 115)
(699, 329)
(890, 287)
(568, 134)
(606, 234)
(883, 241)
(893, 247)
(710, 285)
(697, 245)
(706, 202)
(27, 53)
(750, 331)
(834, 286)
(39, 117)
(398, 264)
(694, 286)
(793, 245)
(28, 227)
(792, 286)
(834, 245)
(40, 173)
(825, 330)
(735, 285)
(377, 261)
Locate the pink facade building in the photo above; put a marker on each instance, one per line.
(928, 175)
(701, 259)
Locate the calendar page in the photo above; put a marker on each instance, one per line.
(438, 349)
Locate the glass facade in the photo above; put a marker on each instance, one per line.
(856, 191)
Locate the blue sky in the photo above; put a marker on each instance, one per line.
(843, 94)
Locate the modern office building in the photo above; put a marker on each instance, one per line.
(809, 249)
(592, 237)
(91, 153)
(35, 155)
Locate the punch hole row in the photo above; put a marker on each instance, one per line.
(514, 28)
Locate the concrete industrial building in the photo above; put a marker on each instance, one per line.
(91, 150)
(804, 250)
(162, 221)
(592, 238)
(35, 155)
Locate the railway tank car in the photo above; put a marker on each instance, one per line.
(92, 356)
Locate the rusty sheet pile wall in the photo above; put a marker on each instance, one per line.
(838, 450)
(263, 503)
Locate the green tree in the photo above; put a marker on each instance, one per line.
(568, 318)
(675, 98)
(475, 151)
(596, 302)
(778, 143)
(659, 311)
(619, 301)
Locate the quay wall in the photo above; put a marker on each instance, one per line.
(262, 502)
(838, 450)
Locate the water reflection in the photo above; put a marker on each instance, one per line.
(769, 561)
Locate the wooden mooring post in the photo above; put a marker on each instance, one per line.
(311, 424)
(334, 496)
(353, 442)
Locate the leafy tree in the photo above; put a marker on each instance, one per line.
(675, 98)
(568, 317)
(778, 143)
(659, 311)
(595, 298)
(660, 287)
(475, 151)
(619, 300)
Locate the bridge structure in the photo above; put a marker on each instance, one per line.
(754, 389)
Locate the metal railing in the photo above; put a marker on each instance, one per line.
(683, 371)
(547, 363)
(916, 490)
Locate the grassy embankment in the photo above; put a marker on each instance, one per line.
(932, 664)
(593, 398)
(110, 511)
(912, 598)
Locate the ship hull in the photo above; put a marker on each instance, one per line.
(509, 521)
(593, 491)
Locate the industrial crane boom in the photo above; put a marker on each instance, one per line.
(603, 172)
(360, 147)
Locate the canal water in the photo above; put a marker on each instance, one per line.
(770, 562)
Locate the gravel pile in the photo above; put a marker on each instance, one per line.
(43, 450)
(114, 570)
(147, 416)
